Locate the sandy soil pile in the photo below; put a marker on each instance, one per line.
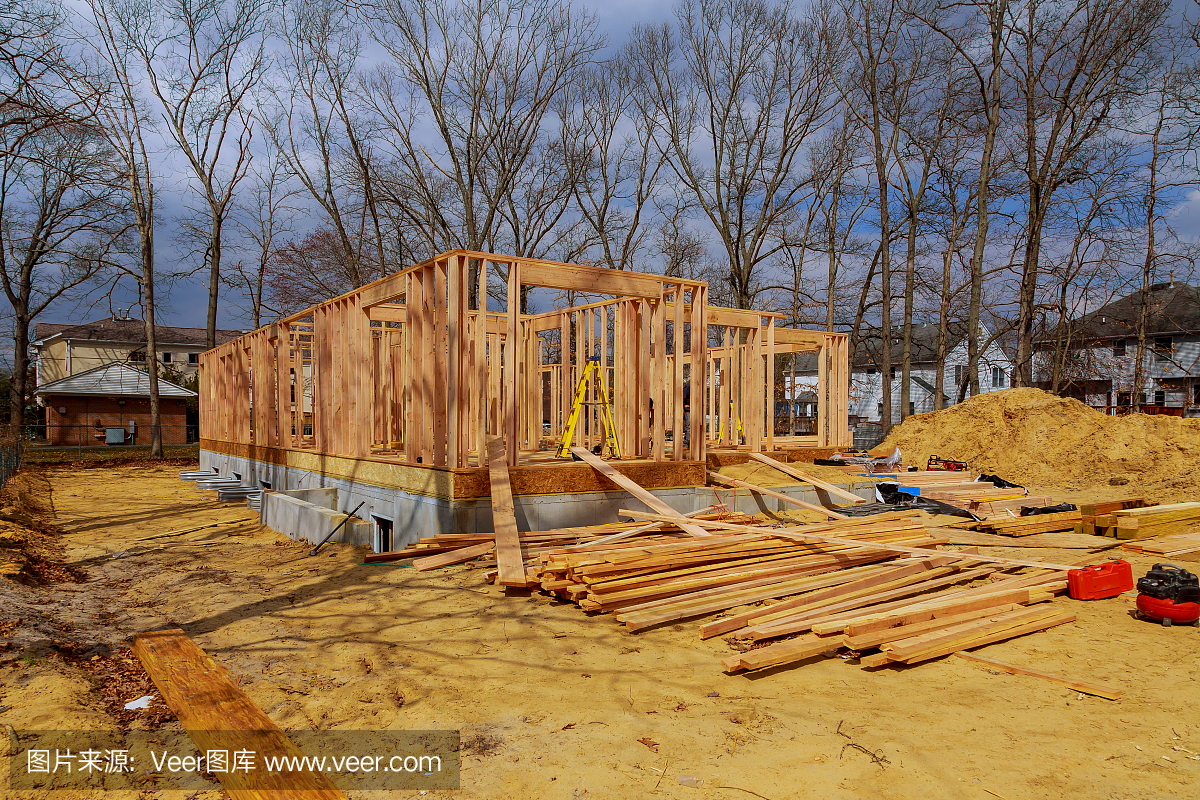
(1036, 438)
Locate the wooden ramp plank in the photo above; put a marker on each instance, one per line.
(453, 557)
(628, 485)
(1097, 689)
(217, 715)
(716, 476)
(510, 561)
(788, 469)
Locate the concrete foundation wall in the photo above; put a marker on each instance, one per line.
(414, 516)
(300, 519)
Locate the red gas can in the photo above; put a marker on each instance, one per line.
(1100, 580)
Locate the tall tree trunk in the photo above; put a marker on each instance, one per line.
(991, 102)
(909, 278)
(214, 282)
(939, 378)
(1143, 322)
(19, 387)
(831, 229)
(147, 250)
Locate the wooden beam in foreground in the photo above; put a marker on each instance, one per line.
(510, 561)
(716, 476)
(796, 533)
(1097, 689)
(669, 514)
(219, 716)
(788, 469)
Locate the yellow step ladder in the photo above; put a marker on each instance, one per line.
(610, 429)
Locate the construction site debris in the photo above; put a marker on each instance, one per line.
(1044, 440)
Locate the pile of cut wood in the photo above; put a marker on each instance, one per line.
(1184, 547)
(1090, 513)
(819, 587)
(875, 585)
(1148, 521)
(1027, 526)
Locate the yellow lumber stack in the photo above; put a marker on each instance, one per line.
(1027, 526)
(1144, 523)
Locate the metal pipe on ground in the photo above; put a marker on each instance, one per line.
(313, 552)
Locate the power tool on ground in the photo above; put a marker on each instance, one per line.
(936, 462)
(1169, 594)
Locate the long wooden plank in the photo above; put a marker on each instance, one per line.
(787, 469)
(796, 533)
(509, 559)
(1097, 689)
(716, 476)
(453, 557)
(641, 494)
(997, 635)
(217, 715)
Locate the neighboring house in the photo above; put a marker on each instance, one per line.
(64, 350)
(110, 404)
(866, 382)
(1097, 353)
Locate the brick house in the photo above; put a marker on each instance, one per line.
(110, 404)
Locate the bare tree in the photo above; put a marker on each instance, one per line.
(123, 119)
(735, 90)
(1075, 64)
(614, 166)
(877, 91)
(1169, 129)
(978, 30)
(202, 59)
(60, 214)
(38, 89)
(481, 79)
(310, 117)
(263, 218)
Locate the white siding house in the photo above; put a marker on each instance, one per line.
(1097, 363)
(866, 382)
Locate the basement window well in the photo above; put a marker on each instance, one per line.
(383, 534)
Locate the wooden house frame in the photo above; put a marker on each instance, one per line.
(412, 369)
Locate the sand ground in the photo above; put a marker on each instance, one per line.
(552, 703)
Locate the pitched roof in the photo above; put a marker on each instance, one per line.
(923, 338)
(128, 330)
(1174, 308)
(113, 380)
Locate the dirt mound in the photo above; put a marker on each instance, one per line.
(30, 545)
(1036, 438)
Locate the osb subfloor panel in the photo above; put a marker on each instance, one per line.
(552, 704)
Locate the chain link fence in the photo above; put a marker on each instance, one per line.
(81, 437)
(10, 458)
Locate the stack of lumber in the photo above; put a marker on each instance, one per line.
(812, 587)
(1027, 526)
(1185, 547)
(1144, 523)
(914, 630)
(651, 584)
(990, 509)
(956, 488)
(445, 549)
(1089, 513)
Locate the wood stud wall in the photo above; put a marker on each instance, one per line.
(405, 369)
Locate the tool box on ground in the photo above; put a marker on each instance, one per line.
(936, 462)
(1170, 594)
(1100, 580)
